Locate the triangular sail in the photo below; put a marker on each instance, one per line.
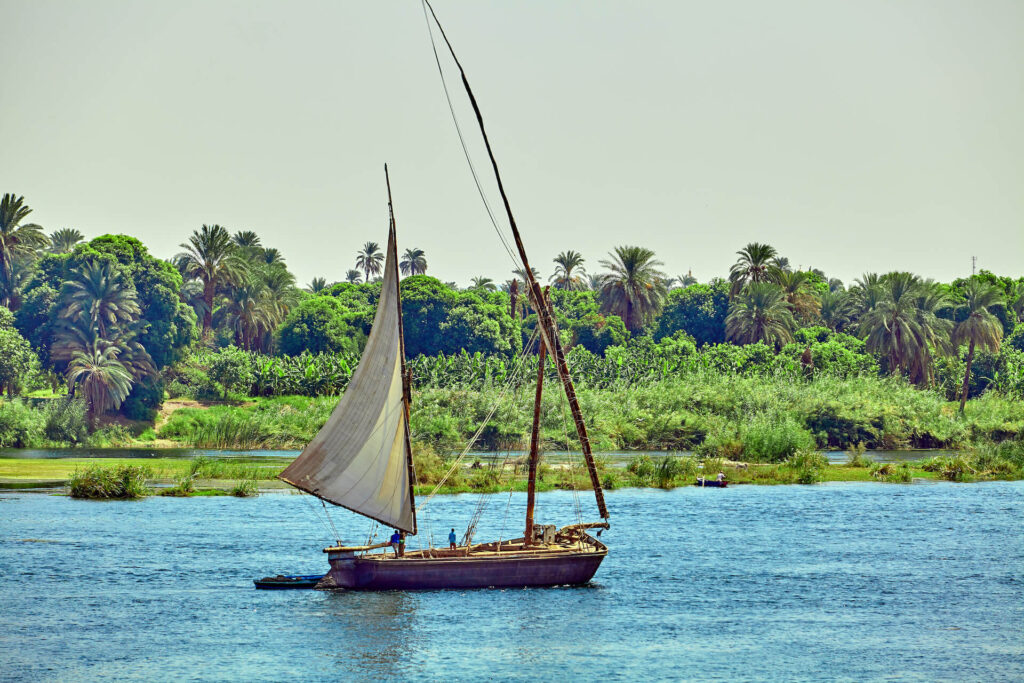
(359, 459)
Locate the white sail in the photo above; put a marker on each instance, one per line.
(359, 459)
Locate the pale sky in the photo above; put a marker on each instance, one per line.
(856, 136)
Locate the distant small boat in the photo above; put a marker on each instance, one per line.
(288, 581)
(701, 481)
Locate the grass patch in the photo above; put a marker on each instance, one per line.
(121, 482)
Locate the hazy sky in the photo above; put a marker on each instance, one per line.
(852, 136)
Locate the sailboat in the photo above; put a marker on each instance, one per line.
(362, 460)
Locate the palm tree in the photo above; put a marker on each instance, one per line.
(980, 328)
(760, 313)
(836, 309)
(17, 240)
(353, 276)
(414, 262)
(569, 271)
(782, 263)
(272, 257)
(210, 256)
(796, 288)
(369, 259)
(103, 378)
(97, 293)
(317, 285)
(63, 241)
(835, 284)
(756, 264)
(249, 313)
(686, 280)
(246, 238)
(484, 283)
(595, 281)
(634, 288)
(903, 326)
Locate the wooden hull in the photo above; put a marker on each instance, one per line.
(421, 571)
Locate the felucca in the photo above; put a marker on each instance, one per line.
(362, 460)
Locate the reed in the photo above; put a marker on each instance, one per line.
(121, 482)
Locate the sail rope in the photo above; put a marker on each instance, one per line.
(337, 536)
(483, 500)
(457, 462)
(316, 514)
(465, 147)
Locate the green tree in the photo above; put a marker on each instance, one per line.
(903, 326)
(756, 263)
(63, 241)
(569, 271)
(17, 360)
(370, 259)
(836, 309)
(699, 310)
(317, 325)
(210, 257)
(246, 239)
(634, 288)
(484, 283)
(796, 287)
(103, 378)
(99, 294)
(414, 262)
(980, 328)
(353, 276)
(760, 314)
(18, 240)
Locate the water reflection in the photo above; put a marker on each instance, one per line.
(372, 631)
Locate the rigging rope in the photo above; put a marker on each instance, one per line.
(516, 370)
(462, 141)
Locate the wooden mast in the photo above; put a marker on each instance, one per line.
(531, 486)
(406, 374)
(549, 332)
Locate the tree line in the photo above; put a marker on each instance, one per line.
(110, 322)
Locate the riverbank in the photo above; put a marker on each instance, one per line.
(205, 475)
(748, 418)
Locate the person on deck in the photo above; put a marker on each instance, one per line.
(451, 539)
(721, 477)
(396, 538)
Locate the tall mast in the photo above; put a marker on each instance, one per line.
(406, 373)
(549, 332)
(531, 486)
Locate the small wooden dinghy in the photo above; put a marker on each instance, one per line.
(701, 481)
(282, 581)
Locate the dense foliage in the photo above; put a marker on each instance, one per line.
(120, 329)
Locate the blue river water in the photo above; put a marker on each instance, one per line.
(839, 581)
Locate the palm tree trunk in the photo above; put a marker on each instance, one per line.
(967, 377)
(208, 298)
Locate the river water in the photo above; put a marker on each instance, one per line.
(838, 581)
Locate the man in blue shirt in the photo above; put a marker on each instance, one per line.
(396, 538)
(451, 539)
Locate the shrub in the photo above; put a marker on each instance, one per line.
(855, 456)
(245, 489)
(807, 466)
(232, 369)
(99, 482)
(773, 440)
(20, 425)
(892, 473)
(65, 420)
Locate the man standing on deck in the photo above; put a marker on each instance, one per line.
(451, 539)
(396, 538)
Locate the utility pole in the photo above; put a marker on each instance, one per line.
(974, 264)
